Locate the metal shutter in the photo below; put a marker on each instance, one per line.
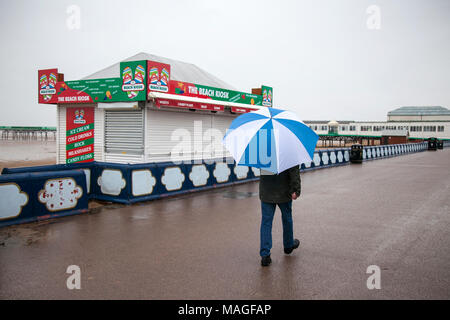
(124, 135)
(161, 125)
(221, 123)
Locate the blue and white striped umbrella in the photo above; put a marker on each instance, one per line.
(270, 139)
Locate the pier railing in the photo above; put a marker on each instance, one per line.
(129, 183)
(27, 133)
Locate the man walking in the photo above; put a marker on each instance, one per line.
(278, 189)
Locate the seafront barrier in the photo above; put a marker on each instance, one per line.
(41, 192)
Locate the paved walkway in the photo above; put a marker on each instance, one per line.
(394, 213)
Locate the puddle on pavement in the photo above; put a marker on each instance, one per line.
(28, 234)
(140, 216)
(100, 206)
(23, 235)
(239, 194)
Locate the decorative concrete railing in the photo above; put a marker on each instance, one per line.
(129, 183)
(386, 151)
(335, 157)
(27, 197)
(328, 158)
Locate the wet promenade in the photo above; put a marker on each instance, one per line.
(394, 213)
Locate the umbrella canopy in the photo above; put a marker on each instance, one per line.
(270, 139)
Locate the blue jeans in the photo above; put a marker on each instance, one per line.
(268, 210)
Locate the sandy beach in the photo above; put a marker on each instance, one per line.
(26, 153)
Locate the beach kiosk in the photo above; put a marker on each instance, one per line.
(144, 109)
(122, 133)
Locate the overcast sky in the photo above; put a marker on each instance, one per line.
(325, 59)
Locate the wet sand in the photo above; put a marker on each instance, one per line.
(393, 213)
(15, 154)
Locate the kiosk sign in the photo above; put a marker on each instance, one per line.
(47, 85)
(136, 82)
(158, 76)
(134, 79)
(80, 134)
(267, 96)
(207, 92)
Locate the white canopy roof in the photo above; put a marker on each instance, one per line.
(179, 70)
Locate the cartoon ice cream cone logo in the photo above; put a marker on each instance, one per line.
(79, 117)
(107, 95)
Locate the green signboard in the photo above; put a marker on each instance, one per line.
(267, 96)
(136, 81)
(201, 91)
(131, 86)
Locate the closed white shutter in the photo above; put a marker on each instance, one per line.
(61, 135)
(170, 132)
(124, 136)
(221, 123)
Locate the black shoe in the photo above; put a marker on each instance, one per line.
(265, 261)
(295, 246)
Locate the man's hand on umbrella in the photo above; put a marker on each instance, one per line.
(294, 196)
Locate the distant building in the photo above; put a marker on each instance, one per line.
(404, 123)
(419, 114)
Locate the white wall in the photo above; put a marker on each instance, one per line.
(99, 134)
(61, 134)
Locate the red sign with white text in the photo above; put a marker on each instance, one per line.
(242, 110)
(69, 95)
(79, 134)
(188, 105)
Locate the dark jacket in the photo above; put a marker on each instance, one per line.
(279, 188)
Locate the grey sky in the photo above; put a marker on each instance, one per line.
(320, 56)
